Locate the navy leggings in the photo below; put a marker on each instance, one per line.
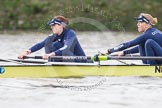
(51, 47)
(151, 48)
(55, 46)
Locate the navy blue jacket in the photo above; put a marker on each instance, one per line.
(67, 38)
(151, 33)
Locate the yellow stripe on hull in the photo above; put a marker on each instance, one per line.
(48, 71)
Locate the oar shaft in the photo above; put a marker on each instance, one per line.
(97, 58)
(29, 61)
(6, 60)
(70, 58)
(133, 58)
(104, 58)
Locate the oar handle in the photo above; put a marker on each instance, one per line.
(34, 57)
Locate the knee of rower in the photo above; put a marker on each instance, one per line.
(56, 45)
(67, 52)
(149, 42)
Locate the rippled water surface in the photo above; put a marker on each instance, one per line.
(96, 92)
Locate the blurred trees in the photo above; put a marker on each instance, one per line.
(114, 14)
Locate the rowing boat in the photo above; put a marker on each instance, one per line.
(69, 69)
(77, 70)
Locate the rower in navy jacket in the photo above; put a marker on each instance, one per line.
(147, 44)
(63, 41)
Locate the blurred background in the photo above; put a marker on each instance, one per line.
(99, 24)
(114, 14)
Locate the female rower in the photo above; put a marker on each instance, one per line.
(147, 44)
(63, 41)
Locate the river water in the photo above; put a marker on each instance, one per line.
(104, 92)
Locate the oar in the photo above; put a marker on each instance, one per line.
(62, 58)
(19, 61)
(29, 61)
(7, 60)
(103, 58)
(71, 58)
(100, 58)
(134, 57)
